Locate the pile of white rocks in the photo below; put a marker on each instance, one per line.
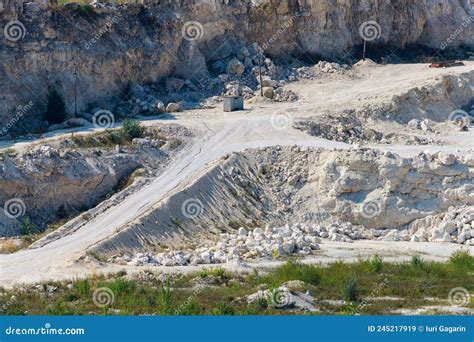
(424, 125)
(322, 67)
(271, 242)
(244, 245)
(456, 226)
(345, 232)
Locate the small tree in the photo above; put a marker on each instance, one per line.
(131, 129)
(351, 290)
(56, 108)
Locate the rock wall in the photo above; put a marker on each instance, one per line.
(46, 185)
(97, 53)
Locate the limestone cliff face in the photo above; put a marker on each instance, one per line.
(109, 48)
(46, 182)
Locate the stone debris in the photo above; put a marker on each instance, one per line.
(455, 226)
(322, 68)
(244, 245)
(237, 74)
(349, 128)
(425, 125)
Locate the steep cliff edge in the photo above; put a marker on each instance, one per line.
(97, 53)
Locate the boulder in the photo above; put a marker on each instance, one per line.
(268, 92)
(243, 54)
(446, 158)
(174, 84)
(268, 82)
(414, 124)
(427, 125)
(173, 107)
(235, 67)
(469, 159)
(242, 231)
(159, 107)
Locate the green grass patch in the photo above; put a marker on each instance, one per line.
(215, 291)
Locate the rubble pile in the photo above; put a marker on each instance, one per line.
(245, 245)
(348, 128)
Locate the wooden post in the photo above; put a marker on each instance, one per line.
(365, 47)
(75, 91)
(260, 61)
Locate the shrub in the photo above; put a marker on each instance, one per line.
(122, 286)
(417, 262)
(166, 299)
(85, 9)
(191, 308)
(56, 108)
(131, 129)
(27, 228)
(351, 290)
(62, 212)
(9, 246)
(294, 270)
(223, 309)
(59, 309)
(376, 264)
(83, 287)
(462, 260)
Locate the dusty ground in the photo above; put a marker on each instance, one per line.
(262, 124)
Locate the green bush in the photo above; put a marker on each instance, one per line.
(376, 264)
(59, 309)
(166, 299)
(85, 9)
(122, 286)
(294, 270)
(56, 108)
(417, 262)
(27, 228)
(131, 129)
(462, 260)
(223, 309)
(83, 287)
(351, 290)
